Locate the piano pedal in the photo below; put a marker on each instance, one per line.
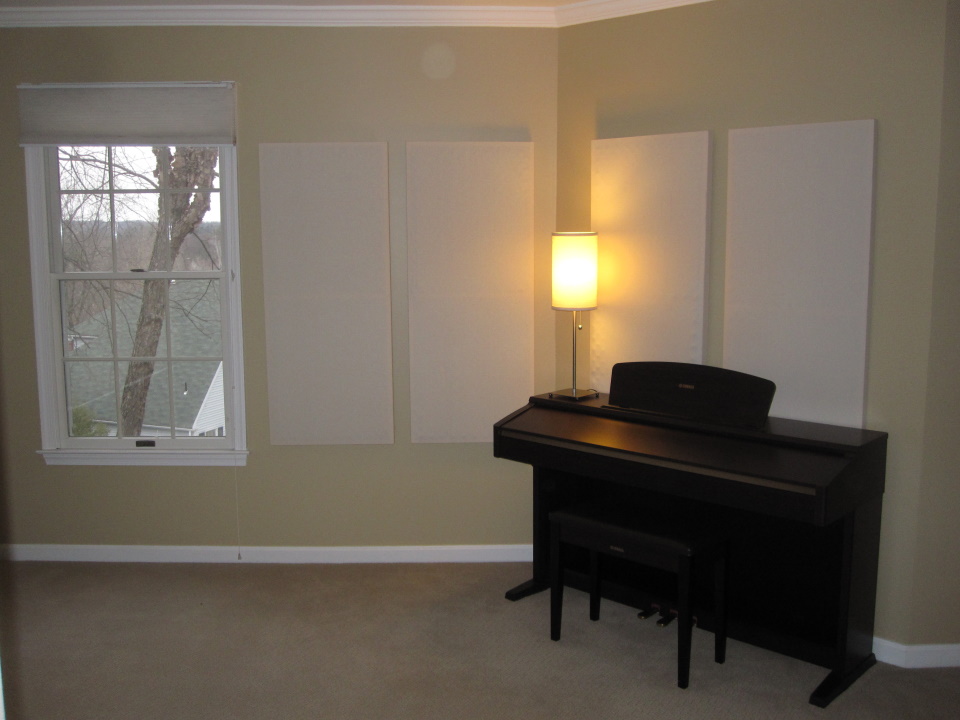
(647, 612)
(667, 616)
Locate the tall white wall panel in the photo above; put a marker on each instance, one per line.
(326, 275)
(470, 275)
(799, 223)
(650, 200)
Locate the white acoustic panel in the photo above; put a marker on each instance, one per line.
(650, 200)
(799, 224)
(470, 273)
(326, 277)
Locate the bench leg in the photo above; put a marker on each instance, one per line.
(720, 608)
(594, 585)
(685, 620)
(556, 584)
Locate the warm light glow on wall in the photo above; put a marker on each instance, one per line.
(574, 271)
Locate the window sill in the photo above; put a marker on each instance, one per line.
(226, 458)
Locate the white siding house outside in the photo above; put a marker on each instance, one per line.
(210, 419)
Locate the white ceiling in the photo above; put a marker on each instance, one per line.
(269, 3)
(503, 13)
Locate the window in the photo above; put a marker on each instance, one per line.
(134, 250)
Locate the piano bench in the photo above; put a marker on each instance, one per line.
(668, 544)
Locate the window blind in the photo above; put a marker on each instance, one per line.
(128, 114)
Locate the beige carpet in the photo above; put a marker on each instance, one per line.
(425, 642)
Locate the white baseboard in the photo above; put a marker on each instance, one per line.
(226, 554)
(916, 656)
(905, 656)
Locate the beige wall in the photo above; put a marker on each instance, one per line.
(295, 85)
(938, 541)
(714, 66)
(750, 63)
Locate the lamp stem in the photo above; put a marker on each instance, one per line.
(573, 384)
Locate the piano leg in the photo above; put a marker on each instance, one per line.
(525, 589)
(861, 552)
(540, 581)
(836, 682)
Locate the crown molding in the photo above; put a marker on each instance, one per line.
(577, 13)
(268, 15)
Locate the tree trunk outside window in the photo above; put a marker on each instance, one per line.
(184, 170)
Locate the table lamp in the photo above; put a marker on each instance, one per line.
(574, 289)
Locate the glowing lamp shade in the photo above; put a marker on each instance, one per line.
(574, 271)
(575, 289)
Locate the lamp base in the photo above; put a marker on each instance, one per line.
(574, 394)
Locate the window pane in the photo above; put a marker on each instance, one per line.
(201, 249)
(135, 168)
(141, 307)
(195, 318)
(198, 397)
(85, 232)
(137, 235)
(83, 168)
(145, 402)
(189, 213)
(92, 399)
(197, 167)
(86, 318)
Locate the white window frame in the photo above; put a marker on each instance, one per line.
(57, 447)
